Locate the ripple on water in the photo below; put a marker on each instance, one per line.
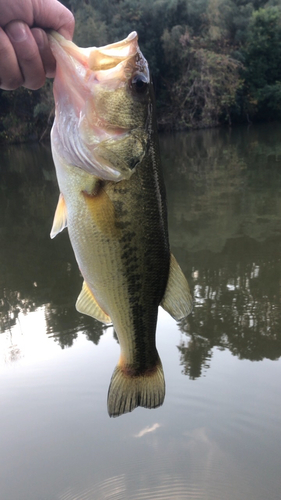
(173, 487)
(209, 478)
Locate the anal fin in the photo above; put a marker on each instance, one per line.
(87, 304)
(177, 300)
(60, 218)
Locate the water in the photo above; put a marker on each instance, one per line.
(218, 434)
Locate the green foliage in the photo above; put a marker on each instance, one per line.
(212, 61)
(263, 47)
(269, 101)
(26, 115)
(204, 91)
(90, 29)
(263, 63)
(16, 115)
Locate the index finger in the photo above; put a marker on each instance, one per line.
(55, 16)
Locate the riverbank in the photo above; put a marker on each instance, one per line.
(213, 64)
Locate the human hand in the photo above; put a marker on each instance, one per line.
(25, 55)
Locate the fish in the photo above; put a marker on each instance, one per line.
(112, 200)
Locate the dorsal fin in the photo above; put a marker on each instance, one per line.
(87, 304)
(60, 218)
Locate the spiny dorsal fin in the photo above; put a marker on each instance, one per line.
(87, 304)
(177, 300)
(60, 219)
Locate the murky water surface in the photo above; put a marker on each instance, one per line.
(218, 434)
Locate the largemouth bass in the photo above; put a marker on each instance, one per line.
(105, 149)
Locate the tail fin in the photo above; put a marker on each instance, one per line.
(126, 392)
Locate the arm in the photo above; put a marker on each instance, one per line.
(25, 56)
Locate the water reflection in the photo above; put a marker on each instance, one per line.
(36, 272)
(237, 305)
(224, 202)
(225, 211)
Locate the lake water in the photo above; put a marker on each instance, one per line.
(218, 434)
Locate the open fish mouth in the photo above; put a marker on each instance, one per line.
(118, 61)
(98, 58)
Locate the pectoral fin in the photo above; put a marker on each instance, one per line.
(123, 154)
(60, 219)
(87, 304)
(108, 158)
(177, 300)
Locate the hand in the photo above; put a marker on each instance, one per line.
(25, 55)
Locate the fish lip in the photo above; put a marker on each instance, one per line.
(64, 50)
(95, 58)
(105, 48)
(113, 64)
(119, 46)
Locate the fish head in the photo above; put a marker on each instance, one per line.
(104, 101)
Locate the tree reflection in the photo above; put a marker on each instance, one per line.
(11, 304)
(223, 190)
(225, 215)
(64, 323)
(237, 305)
(34, 270)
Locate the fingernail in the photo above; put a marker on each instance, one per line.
(17, 31)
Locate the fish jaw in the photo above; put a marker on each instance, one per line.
(84, 79)
(79, 69)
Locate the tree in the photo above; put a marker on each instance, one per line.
(263, 64)
(204, 90)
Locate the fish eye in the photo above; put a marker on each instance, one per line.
(139, 83)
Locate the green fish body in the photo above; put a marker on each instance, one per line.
(114, 206)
